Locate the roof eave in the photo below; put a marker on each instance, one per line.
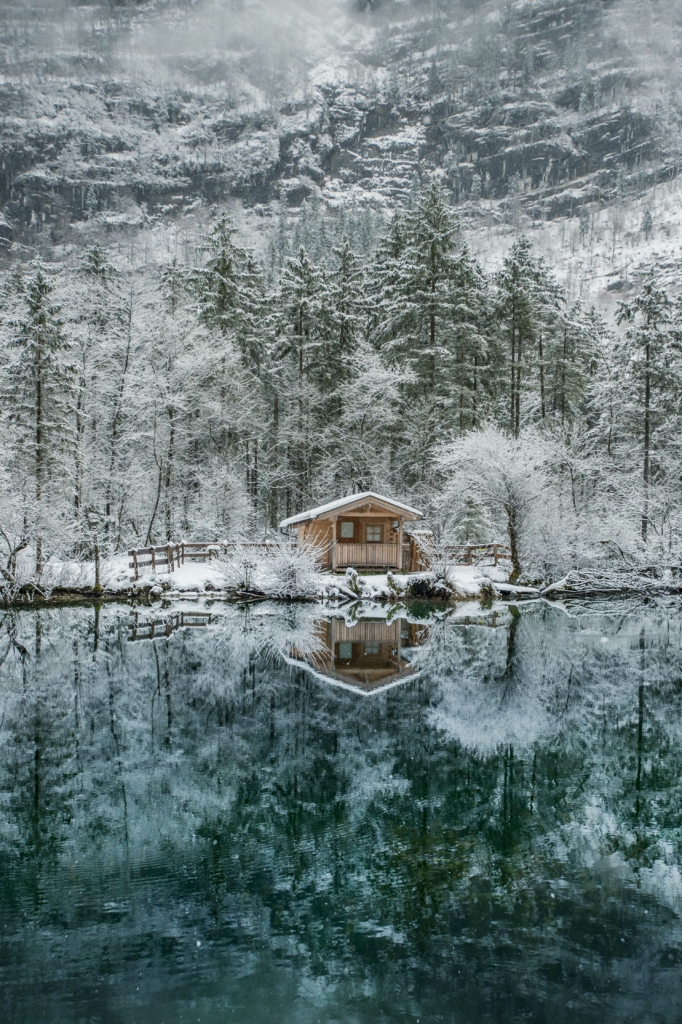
(304, 517)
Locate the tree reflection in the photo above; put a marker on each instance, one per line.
(497, 824)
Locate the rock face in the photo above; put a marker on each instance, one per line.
(543, 108)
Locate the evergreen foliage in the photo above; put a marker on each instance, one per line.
(193, 399)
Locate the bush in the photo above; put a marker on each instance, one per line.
(429, 588)
(239, 569)
(293, 571)
(283, 570)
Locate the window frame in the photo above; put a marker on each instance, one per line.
(374, 527)
(346, 536)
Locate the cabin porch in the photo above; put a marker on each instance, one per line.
(377, 556)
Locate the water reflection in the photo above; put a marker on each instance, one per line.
(198, 827)
(366, 655)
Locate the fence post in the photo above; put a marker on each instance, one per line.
(182, 552)
(495, 553)
(169, 557)
(153, 550)
(135, 567)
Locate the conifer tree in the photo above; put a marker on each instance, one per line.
(299, 324)
(230, 292)
(38, 391)
(526, 294)
(342, 306)
(649, 359)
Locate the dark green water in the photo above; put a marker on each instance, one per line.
(194, 829)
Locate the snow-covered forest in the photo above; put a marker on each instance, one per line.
(147, 402)
(234, 357)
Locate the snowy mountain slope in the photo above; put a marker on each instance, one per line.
(527, 110)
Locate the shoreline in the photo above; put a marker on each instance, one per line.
(152, 595)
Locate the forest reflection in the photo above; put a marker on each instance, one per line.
(482, 822)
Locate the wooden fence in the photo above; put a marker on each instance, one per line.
(154, 629)
(171, 556)
(474, 554)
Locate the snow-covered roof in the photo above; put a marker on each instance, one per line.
(350, 499)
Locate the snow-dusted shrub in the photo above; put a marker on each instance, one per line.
(240, 570)
(429, 587)
(394, 587)
(292, 570)
(280, 570)
(353, 582)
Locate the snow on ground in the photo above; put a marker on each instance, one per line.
(209, 577)
(467, 580)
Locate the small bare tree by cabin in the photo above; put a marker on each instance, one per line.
(365, 531)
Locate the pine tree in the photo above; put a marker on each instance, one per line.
(470, 339)
(342, 306)
(230, 292)
(649, 358)
(96, 309)
(39, 387)
(299, 326)
(526, 300)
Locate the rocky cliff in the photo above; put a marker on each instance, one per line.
(128, 114)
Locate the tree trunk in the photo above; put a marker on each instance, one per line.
(40, 456)
(512, 528)
(647, 441)
(168, 483)
(98, 582)
(513, 378)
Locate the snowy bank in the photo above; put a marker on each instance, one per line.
(287, 574)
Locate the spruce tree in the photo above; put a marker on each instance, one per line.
(650, 364)
(230, 292)
(38, 395)
(298, 326)
(526, 301)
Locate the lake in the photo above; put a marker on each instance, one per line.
(290, 814)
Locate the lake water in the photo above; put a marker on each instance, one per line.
(278, 814)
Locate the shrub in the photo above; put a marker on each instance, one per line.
(282, 570)
(239, 570)
(429, 588)
(293, 571)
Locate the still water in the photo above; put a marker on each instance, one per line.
(285, 814)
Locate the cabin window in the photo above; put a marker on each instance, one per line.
(347, 531)
(345, 650)
(374, 535)
(372, 648)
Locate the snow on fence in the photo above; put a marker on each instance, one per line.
(475, 554)
(174, 555)
(171, 556)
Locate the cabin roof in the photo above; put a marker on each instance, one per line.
(349, 500)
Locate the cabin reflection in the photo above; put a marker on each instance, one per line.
(368, 655)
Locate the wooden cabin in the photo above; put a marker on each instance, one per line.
(365, 531)
(365, 656)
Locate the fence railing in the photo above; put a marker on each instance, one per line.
(473, 554)
(154, 629)
(171, 556)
